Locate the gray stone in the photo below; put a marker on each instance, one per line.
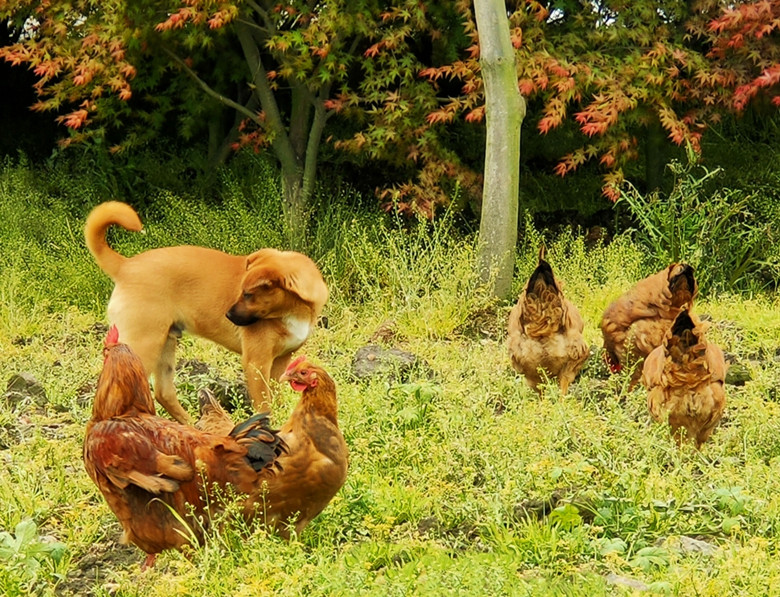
(24, 386)
(625, 581)
(374, 360)
(738, 374)
(687, 544)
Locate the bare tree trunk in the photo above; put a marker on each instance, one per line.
(504, 113)
(295, 201)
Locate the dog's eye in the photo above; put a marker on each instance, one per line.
(247, 296)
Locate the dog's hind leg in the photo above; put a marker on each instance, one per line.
(155, 344)
(164, 388)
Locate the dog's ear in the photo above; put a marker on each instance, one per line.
(260, 257)
(307, 283)
(296, 273)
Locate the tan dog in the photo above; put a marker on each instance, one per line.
(262, 305)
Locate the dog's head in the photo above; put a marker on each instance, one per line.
(275, 284)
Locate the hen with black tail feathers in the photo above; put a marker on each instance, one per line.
(313, 465)
(545, 331)
(685, 379)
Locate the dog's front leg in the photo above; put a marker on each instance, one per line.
(257, 368)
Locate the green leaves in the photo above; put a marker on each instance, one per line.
(23, 554)
(566, 517)
(648, 558)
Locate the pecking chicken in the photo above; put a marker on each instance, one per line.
(684, 378)
(545, 331)
(314, 463)
(159, 477)
(636, 323)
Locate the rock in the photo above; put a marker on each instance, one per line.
(625, 581)
(686, 544)
(738, 375)
(24, 386)
(374, 360)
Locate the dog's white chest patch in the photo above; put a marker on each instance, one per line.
(297, 332)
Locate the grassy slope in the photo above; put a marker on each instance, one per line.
(444, 471)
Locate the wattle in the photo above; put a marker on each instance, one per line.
(297, 385)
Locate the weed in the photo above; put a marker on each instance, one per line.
(715, 230)
(28, 559)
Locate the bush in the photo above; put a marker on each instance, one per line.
(728, 235)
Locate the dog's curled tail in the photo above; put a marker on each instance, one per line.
(104, 215)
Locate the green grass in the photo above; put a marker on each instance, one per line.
(447, 473)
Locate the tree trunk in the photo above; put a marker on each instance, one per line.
(295, 207)
(295, 194)
(504, 113)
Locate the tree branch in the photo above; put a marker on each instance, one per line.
(263, 14)
(264, 31)
(215, 94)
(280, 141)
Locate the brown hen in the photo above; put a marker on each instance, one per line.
(684, 378)
(545, 331)
(158, 476)
(314, 462)
(636, 323)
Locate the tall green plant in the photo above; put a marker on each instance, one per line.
(714, 229)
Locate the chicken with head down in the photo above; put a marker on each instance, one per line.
(636, 323)
(685, 379)
(545, 331)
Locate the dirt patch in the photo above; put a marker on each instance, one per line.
(94, 569)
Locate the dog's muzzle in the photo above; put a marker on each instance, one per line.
(242, 319)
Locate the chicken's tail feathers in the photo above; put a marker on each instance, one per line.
(542, 251)
(683, 322)
(544, 274)
(686, 336)
(264, 445)
(682, 284)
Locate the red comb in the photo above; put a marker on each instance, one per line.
(113, 336)
(295, 363)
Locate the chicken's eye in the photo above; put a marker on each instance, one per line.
(304, 372)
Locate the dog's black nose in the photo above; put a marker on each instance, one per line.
(241, 319)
